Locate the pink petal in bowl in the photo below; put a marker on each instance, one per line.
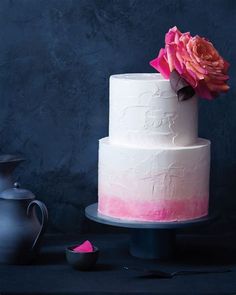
(85, 247)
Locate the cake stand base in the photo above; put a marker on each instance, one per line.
(149, 240)
(152, 243)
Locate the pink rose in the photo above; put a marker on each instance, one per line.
(196, 60)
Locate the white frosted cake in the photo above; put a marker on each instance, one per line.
(153, 166)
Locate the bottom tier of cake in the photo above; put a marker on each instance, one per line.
(161, 184)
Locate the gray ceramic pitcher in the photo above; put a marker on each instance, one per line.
(20, 229)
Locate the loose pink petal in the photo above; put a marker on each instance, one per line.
(85, 247)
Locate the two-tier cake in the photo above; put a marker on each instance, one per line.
(152, 167)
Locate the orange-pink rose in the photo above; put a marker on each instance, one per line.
(196, 60)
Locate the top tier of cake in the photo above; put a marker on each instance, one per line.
(145, 112)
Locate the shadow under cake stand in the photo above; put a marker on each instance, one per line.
(149, 240)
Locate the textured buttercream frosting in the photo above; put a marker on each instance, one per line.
(165, 184)
(144, 111)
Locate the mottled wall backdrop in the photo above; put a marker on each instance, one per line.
(55, 60)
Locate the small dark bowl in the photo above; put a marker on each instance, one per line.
(81, 260)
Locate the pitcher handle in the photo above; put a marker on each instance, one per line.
(44, 213)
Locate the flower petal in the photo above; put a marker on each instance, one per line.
(160, 63)
(172, 35)
(203, 91)
(171, 57)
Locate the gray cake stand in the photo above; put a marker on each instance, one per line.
(149, 240)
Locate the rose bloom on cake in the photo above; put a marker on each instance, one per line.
(196, 60)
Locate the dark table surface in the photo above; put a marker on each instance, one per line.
(50, 274)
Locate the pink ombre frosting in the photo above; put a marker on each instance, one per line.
(154, 184)
(162, 210)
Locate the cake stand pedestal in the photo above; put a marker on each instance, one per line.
(149, 240)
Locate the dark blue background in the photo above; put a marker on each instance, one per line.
(55, 61)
